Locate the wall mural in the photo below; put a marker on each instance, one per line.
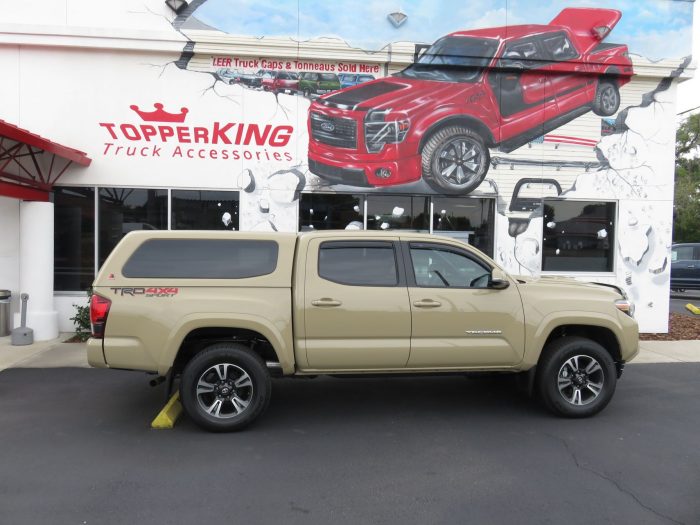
(549, 107)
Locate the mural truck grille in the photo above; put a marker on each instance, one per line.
(340, 132)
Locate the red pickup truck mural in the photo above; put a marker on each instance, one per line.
(470, 91)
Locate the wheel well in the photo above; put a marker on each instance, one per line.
(197, 340)
(459, 120)
(612, 74)
(603, 336)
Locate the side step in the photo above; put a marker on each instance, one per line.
(520, 140)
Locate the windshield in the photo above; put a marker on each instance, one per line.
(453, 59)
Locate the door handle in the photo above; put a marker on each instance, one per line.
(427, 303)
(326, 302)
(691, 266)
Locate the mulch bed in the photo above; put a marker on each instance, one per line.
(680, 327)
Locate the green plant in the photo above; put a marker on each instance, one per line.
(81, 319)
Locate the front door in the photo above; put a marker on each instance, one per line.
(356, 309)
(458, 321)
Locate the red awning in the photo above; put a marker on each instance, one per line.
(36, 162)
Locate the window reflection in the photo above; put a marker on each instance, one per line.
(578, 236)
(204, 210)
(318, 211)
(122, 210)
(467, 219)
(398, 212)
(74, 238)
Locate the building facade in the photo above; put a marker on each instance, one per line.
(543, 135)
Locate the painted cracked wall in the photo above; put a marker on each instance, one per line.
(254, 137)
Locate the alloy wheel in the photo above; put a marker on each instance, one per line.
(224, 390)
(580, 380)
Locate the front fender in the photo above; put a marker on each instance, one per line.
(536, 335)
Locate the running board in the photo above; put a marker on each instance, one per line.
(520, 140)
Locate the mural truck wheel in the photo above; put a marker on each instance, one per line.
(607, 98)
(455, 160)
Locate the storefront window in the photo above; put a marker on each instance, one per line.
(578, 236)
(204, 210)
(469, 220)
(74, 238)
(122, 210)
(398, 212)
(318, 211)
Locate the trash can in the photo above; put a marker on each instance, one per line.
(5, 324)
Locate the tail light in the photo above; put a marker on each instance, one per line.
(99, 309)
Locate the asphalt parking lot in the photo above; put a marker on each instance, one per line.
(76, 447)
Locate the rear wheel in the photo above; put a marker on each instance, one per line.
(576, 377)
(607, 98)
(225, 387)
(455, 160)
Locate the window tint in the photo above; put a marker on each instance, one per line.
(682, 253)
(467, 219)
(578, 236)
(74, 234)
(340, 211)
(439, 268)
(122, 210)
(328, 76)
(398, 212)
(358, 263)
(202, 259)
(522, 54)
(558, 47)
(204, 210)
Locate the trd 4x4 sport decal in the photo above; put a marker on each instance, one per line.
(146, 292)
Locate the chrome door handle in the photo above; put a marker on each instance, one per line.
(427, 303)
(326, 302)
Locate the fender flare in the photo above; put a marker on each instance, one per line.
(187, 324)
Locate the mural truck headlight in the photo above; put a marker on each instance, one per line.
(380, 130)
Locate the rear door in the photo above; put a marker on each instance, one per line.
(457, 320)
(566, 78)
(356, 309)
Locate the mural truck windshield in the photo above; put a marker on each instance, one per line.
(453, 59)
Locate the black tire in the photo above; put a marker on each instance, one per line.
(235, 358)
(554, 369)
(451, 175)
(607, 98)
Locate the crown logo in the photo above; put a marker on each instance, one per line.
(160, 115)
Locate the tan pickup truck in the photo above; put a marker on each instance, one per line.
(226, 311)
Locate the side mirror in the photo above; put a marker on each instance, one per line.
(498, 280)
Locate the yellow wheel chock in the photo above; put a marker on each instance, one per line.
(171, 411)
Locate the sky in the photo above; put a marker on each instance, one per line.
(655, 29)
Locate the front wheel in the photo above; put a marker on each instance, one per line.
(455, 160)
(576, 377)
(225, 387)
(607, 98)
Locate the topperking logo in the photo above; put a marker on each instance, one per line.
(164, 134)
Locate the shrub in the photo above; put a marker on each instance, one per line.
(81, 319)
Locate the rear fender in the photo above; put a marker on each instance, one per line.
(280, 340)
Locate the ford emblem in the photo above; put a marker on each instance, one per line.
(328, 126)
